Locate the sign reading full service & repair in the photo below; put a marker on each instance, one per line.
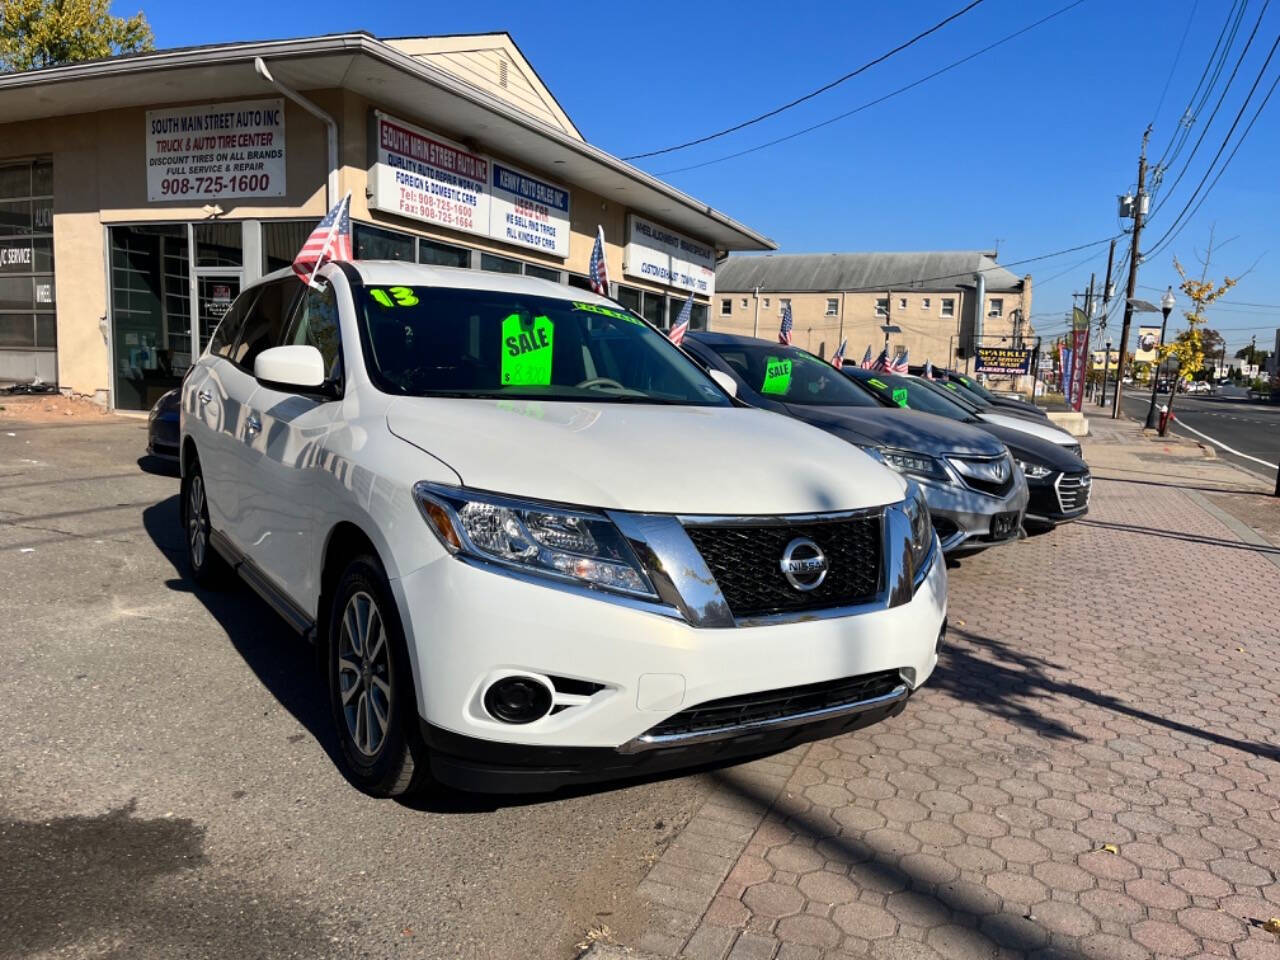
(422, 176)
(215, 151)
(663, 256)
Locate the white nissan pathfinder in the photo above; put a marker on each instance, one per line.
(537, 544)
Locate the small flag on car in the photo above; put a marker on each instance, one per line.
(784, 331)
(837, 358)
(928, 369)
(681, 326)
(882, 361)
(867, 362)
(598, 268)
(899, 364)
(330, 241)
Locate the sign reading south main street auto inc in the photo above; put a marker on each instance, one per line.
(426, 177)
(663, 256)
(216, 151)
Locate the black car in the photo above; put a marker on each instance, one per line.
(162, 427)
(974, 392)
(1058, 480)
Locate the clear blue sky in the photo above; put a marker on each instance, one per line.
(1027, 145)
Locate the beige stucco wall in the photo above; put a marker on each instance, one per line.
(926, 332)
(99, 163)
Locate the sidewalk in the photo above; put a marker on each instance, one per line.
(1093, 770)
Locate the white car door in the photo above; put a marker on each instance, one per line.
(282, 519)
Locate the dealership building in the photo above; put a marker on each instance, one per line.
(140, 194)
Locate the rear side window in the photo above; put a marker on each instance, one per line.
(228, 331)
(315, 324)
(266, 321)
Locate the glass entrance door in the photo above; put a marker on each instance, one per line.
(214, 293)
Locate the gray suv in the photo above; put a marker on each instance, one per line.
(976, 494)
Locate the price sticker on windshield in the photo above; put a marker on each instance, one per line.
(878, 383)
(900, 397)
(394, 296)
(777, 376)
(606, 312)
(526, 351)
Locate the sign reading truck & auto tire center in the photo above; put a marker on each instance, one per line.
(216, 151)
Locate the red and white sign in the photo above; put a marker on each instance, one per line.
(425, 177)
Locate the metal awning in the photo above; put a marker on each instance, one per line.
(392, 80)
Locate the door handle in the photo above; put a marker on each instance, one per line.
(252, 424)
(204, 396)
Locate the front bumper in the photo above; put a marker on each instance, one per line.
(1059, 498)
(163, 438)
(963, 517)
(467, 626)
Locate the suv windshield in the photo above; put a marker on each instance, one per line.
(914, 394)
(433, 341)
(790, 375)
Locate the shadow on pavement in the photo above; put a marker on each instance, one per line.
(291, 670)
(1011, 684)
(1185, 537)
(1182, 486)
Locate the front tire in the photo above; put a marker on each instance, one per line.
(204, 564)
(371, 689)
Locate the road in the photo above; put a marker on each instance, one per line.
(1247, 428)
(166, 788)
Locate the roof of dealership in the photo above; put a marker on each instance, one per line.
(870, 272)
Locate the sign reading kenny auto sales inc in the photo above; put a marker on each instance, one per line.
(663, 256)
(424, 176)
(216, 150)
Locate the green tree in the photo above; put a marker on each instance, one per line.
(46, 33)
(1188, 348)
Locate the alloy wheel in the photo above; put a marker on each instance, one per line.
(197, 521)
(364, 673)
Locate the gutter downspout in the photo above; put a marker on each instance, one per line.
(331, 127)
(755, 329)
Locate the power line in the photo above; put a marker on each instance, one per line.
(809, 96)
(1176, 58)
(1216, 107)
(878, 100)
(1176, 227)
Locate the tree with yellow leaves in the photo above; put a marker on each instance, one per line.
(46, 33)
(1188, 347)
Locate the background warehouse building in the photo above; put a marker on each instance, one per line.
(932, 297)
(139, 194)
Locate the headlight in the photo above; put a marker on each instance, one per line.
(1034, 471)
(913, 464)
(921, 527)
(562, 544)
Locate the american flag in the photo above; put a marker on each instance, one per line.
(899, 364)
(598, 268)
(928, 369)
(882, 361)
(681, 326)
(837, 358)
(329, 241)
(784, 331)
(866, 363)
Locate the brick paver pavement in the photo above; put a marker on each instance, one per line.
(1092, 772)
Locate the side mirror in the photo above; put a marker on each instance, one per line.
(298, 366)
(727, 382)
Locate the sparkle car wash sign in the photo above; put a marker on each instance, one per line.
(671, 259)
(216, 151)
(1002, 360)
(422, 176)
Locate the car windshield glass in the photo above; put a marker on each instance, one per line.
(432, 341)
(790, 375)
(973, 386)
(915, 394)
(957, 394)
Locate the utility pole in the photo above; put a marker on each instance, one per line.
(1088, 316)
(1132, 286)
(1102, 324)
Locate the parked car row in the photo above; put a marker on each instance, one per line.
(539, 544)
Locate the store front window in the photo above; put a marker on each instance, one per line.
(150, 311)
(374, 243)
(442, 254)
(28, 302)
(281, 241)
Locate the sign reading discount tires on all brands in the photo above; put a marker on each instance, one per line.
(663, 256)
(216, 151)
(423, 176)
(1002, 360)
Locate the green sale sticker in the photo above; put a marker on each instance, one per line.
(526, 351)
(777, 376)
(900, 397)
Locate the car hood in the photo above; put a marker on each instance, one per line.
(649, 459)
(1017, 408)
(1026, 446)
(1037, 428)
(904, 429)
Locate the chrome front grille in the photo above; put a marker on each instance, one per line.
(990, 475)
(1073, 491)
(745, 559)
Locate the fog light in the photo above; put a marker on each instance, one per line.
(518, 699)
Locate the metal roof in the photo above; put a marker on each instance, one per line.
(869, 272)
(386, 76)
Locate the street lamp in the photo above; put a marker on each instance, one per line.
(1166, 308)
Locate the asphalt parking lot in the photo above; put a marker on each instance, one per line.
(1092, 772)
(166, 788)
